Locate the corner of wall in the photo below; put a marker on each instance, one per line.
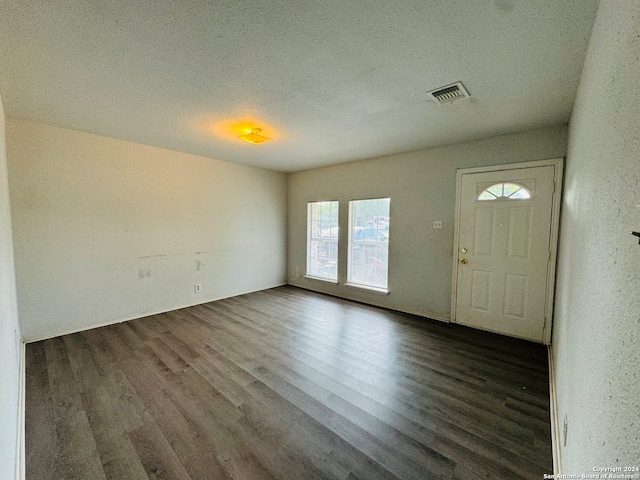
(553, 415)
(22, 409)
(12, 357)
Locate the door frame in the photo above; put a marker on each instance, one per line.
(558, 164)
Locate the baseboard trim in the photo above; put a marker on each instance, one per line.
(148, 314)
(20, 461)
(553, 409)
(374, 303)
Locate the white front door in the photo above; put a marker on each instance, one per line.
(504, 250)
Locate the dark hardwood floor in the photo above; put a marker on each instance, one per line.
(289, 384)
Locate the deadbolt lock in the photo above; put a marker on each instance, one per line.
(463, 250)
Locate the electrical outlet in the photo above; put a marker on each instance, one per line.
(197, 288)
(437, 224)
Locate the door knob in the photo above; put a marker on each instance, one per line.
(463, 260)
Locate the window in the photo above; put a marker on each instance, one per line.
(322, 240)
(504, 191)
(369, 243)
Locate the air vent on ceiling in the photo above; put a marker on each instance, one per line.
(448, 94)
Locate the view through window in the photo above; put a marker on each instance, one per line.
(369, 242)
(322, 240)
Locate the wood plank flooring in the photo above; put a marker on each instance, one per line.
(287, 384)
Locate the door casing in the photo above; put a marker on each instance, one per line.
(558, 163)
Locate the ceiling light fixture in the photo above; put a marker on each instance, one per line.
(255, 137)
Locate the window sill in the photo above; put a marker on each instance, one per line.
(319, 279)
(376, 290)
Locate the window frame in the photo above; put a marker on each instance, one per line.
(350, 247)
(330, 240)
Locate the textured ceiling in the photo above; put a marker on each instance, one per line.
(331, 81)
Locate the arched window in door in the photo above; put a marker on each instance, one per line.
(504, 191)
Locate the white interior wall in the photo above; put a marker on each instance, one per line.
(422, 188)
(10, 334)
(596, 341)
(107, 230)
